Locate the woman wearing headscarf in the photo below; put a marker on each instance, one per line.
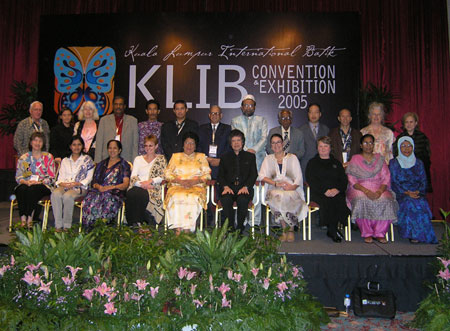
(409, 182)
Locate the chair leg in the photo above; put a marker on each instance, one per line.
(11, 210)
(81, 218)
(304, 225)
(252, 215)
(45, 218)
(309, 227)
(201, 220)
(267, 220)
(392, 232)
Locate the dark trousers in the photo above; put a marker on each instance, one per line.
(136, 204)
(332, 211)
(242, 201)
(28, 197)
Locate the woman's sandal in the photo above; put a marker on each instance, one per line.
(368, 240)
(382, 240)
(283, 237)
(290, 237)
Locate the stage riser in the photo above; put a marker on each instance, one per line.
(330, 277)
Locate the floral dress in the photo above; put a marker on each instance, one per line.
(98, 204)
(184, 205)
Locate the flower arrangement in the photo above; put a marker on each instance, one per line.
(241, 291)
(434, 311)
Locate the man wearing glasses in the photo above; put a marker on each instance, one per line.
(214, 139)
(254, 128)
(293, 140)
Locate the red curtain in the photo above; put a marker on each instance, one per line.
(404, 46)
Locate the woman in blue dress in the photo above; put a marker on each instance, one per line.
(111, 179)
(409, 182)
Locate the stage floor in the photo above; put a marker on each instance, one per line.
(321, 244)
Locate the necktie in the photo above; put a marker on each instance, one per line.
(286, 141)
(213, 133)
(315, 131)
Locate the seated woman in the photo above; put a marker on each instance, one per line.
(74, 177)
(328, 182)
(87, 126)
(373, 204)
(61, 135)
(282, 173)
(35, 175)
(186, 175)
(409, 182)
(111, 179)
(237, 176)
(145, 188)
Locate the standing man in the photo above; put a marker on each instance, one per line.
(28, 126)
(312, 131)
(214, 139)
(293, 140)
(254, 128)
(172, 132)
(118, 126)
(151, 126)
(344, 139)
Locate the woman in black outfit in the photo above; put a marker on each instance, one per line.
(328, 183)
(61, 135)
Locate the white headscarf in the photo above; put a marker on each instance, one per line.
(404, 161)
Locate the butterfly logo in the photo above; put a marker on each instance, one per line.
(84, 74)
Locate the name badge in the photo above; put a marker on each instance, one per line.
(117, 137)
(344, 157)
(212, 150)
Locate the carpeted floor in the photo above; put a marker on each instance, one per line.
(355, 323)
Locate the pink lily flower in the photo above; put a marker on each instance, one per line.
(444, 274)
(193, 288)
(154, 291)
(13, 260)
(198, 303)
(141, 284)
(88, 294)
(282, 286)
(112, 295)
(446, 263)
(230, 274)
(45, 287)
(110, 309)
(97, 279)
(103, 289)
(177, 291)
(224, 288)
(182, 272)
(266, 283)
(67, 280)
(237, 277)
(4, 269)
(255, 271)
(73, 271)
(295, 271)
(33, 267)
(136, 296)
(190, 275)
(244, 288)
(126, 297)
(225, 302)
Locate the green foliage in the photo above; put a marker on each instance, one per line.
(58, 249)
(373, 93)
(434, 311)
(212, 252)
(10, 116)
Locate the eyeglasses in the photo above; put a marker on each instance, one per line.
(214, 113)
(368, 143)
(149, 145)
(405, 146)
(285, 118)
(248, 106)
(276, 142)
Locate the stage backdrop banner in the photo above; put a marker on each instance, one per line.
(284, 60)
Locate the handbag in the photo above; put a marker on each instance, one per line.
(371, 301)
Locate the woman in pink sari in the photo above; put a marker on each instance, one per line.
(373, 204)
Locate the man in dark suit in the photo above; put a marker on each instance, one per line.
(293, 141)
(172, 131)
(214, 139)
(237, 175)
(312, 131)
(344, 139)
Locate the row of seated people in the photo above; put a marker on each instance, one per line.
(371, 190)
